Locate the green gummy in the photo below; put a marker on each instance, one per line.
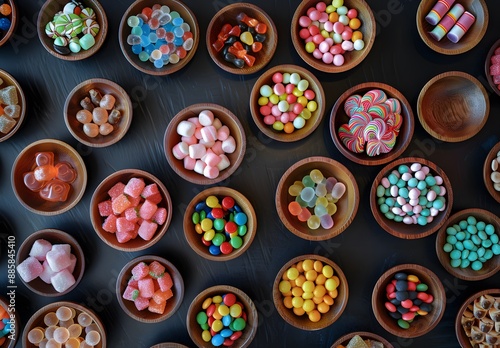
(451, 240)
(380, 191)
(422, 287)
(301, 202)
(471, 220)
(476, 265)
(195, 218)
(455, 263)
(307, 181)
(455, 255)
(460, 235)
(447, 247)
(465, 263)
(489, 229)
(403, 168)
(451, 231)
(403, 324)
(201, 318)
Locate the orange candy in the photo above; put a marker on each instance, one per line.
(147, 11)
(294, 208)
(289, 128)
(5, 9)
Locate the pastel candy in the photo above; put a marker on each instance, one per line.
(87, 41)
(8, 96)
(55, 190)
(87, 13)
(352, 104)
(223, 133)
(186, 128)
(6, 124)
(50, 30)
(134, 187)
(229, 145)
(372, 97)
(209, 134)
(358, 122)
(380, 110)
(224, 162)
(211, 172)
(189, 163)
(29, 269)
(447, 22)
(90, 26)
(147, 230)
(63, 280)
(47, 273)
(394, 105)
(461, 27)
(199, 167)
(206, 117)
(197, 151)
(438, 11)
(180, 150)
(40, 248)
(211, 159)
(58, 259)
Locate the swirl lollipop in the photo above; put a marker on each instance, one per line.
(358, 122)
(394, 105)
(373, 97)
(381, 110)
(353, 143)
(352, 104)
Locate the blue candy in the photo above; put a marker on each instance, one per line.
(178, 41)
(136, 49)
(226, 320)
(158, 63)
(177, 21)
(214, 250)
(5, 24)
(145, 29)
(217, 340)
(240, 218)
(226, 333)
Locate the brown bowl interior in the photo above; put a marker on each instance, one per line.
(8, 80)
(194, 328)
(347, 206)
(400, 229)
(303, 322)
(422, 324)
(338, 117)
(148, 67)
(146, 316)
(353, 58)
(194, 239)
(228, 14)
(101, 194)
(470, 39)
(453, 106)
(227, 118)
(490, 267)
(462, 338)
(4, 38)
(46, 14)
(487, 64)
(37, 320)
(9, 343)
(122, 104)
(344, 340)
(53, 236)
(311, 124)
(487, 172)
(25, 162)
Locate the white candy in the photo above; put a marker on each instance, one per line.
(62, 281)
(186, 128)
(229, 145)
(180, 150)
(199, 167)
(197, 151)
(206, 117)
(209, 134)
(40, 248)
(223, 133)
(224, 163)
(58, 260)
(494, 165)
(415, 167)
(495, 177)
(211, 172)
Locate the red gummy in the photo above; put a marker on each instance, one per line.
(495, 69)
(187, 35)
(222, 36)
(227, 342)
(256, 46)
(31, 183)
(65, 172)
(235, 31)
(243, 18)
(147, 11)
(261, 28)
(390, 307)
(44, 158)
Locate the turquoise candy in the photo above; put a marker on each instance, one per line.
(430, 180)
(61, 41)
(401, 183)
(486, 243)
(87, 41)
(471, 220)
(393, 179)
(390, 215)
(495, 249)
(421, 185)
(398, 218)
(380, 191)
(489, 229)
(494, 238)
(422, 220)
(384, 208)
(465, 254)
(465, 263)
(403, 168)
(460, 236)
(480, 225)
(413, 182)
(447, 247)
(451, 231)
(469, 245)
(455, 255)
(472, 256)
(476, 265)
(74, 45)
(463, 224)
(459, 246)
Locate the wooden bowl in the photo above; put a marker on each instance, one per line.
(101, 194)
(490, 267)
(228, 14)
(147, 67)
(36, 320)
(487, 65)
(145, 316)
(8, 80)
(487, 170)
(344, 340)
(195, 307)
(227, 118)
(353, 58)
(53, 236)
(25, 162)
(338, 117)
(169, 345)
(471, 38)
(311, 124)
(46, 14)
(13, 20)
(400, 229)
(10, 343)
(123, 104)
(422, 324)
(194, 239)
(303, 322)
(347, 206)
(460, 333)
(453, 106)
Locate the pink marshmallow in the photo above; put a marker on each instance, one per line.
(65, 248)
(71, 267)
(217, 148)
(197, 133)
(47, 273)
(189, 163)
(223, 133)
(40, 248)
(211, 172)
(229, 145)
(195, 120)
(180, 150)
(209, 134)
(224, 163)
(211, 159)
(207, 144)
(58, 260)
(189, 140)
(199, 167)
(62, 281)
(29, 269)
(186, 128)
(206, 117)
(197, 151)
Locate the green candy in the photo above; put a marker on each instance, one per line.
(447, 247)
(403, 192)
(218, 239)
(381, 200)
(398, 218)
(203, 215)
(380, 191)
(413, 182)
(472, 256)
(480, 225)
(236, 242)
(74, 45)
(495, 249)
(403, 324)
(87, 41)
(422, 287)
(239, 324)
(50, 30)
(195, 218)
(307, 181)
(390, 215)
(219, 224)
(242, 230)
(384, 208)
(201, 318)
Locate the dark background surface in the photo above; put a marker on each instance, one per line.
(364, 250)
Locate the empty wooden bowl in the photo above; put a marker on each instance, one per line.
(470, 39)
(122, 104)
(488, 63)
(9, 340)
(248, 333)
(195, 240)
(352, 58)
(52, 236)
(13, 17)
(228, 15)
(467, 316)
(422, 324)
(489, 267)
(147, 67)
(146, 316)
(228, 119)
(488, 167)
(347, 205)
(9, 80)
(101, 194)
(365, 335)
(400, 229)
(46, 15)
(80, 312)
(316, 116)
(25, 162)
(453, 106)
(339, 117)
(335, 310)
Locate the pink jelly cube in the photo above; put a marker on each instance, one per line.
(147, 210)
(156, 198)
(120, 204)
(495, 59)
(134, 201)
(165, 282)
(140, 271)
(40, 248)
(116, 190)
(134, 187)
(156, 269)
(146, 287)
(150, 190)
(130, 293)
(65, 248)
(62, 281)
(495, 69)
(133, 282)
(58, 260)
(131, 214)
(124, 225)
(160, 216)
(47, 273)
(29, 269)
(72, 259)
(109, 224)
(147, 230)
(124, 237)
(141, 303)
(105, 208)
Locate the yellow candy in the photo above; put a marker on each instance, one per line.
(206, 224)
(322, 201)
(331, 208)
(302, 101)
(217, 299)
(206, 336)
(223, 310)
(356, 35)
(327, 271)
(292, 273)
(312, 106)
(284, 286)
(314, 316)
(307, 295)
(297, 92)
(308, 306)
(297, 291)
(300, 264)
(308, 286)
(323, 308)
(319, 291)
(217, 325)
(235, 310)
(413, 278)
(209, 235)
(206, 303)
(300, 280)
(247, 38)
(331, 284)
(274, 99)
(306, 113)
(318, 266)
(311, 275)
(299, 311)
(307, 265)
(263, 101)
(212, 201)
(325, 34)
(297, 302)
(310, 47)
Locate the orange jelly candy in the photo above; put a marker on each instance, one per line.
(55, 191)
(65, 172)
(44, 158)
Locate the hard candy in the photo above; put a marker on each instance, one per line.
(87, 13)
(61, 41)
(64, 50)
(87, 41)
(74, 45)
(50, 30)
(68, 24)
(90, 26)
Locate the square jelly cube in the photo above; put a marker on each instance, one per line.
(40, 248)
(105, 208)
(29, 269)
(47, 273)
(150, 190)
(141, 270)
(134, 187)
(147, 230)
(141, 303)
(155, 307)
(147, 210)
(130, 293)
(109, 224)
(62, 281)
(160, 216)
(162, 296)
(116, 190)
(165, 282)
(134, 201)
(124, 237)
(6, 124)
(146, 287)
(156, 269)
(124, 225)
(120, 204)
(58, 259)
(131, 214)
